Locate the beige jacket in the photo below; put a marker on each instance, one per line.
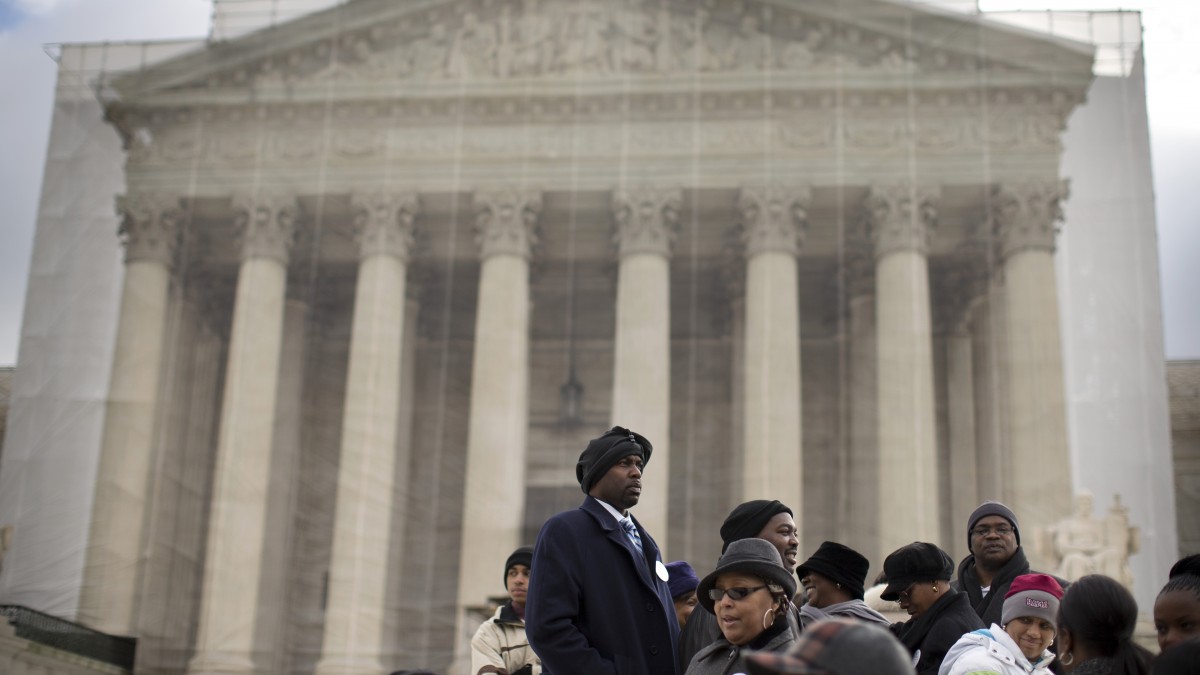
(500, 645)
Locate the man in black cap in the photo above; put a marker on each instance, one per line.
(599, 603)
(767, 519)
(996, 559)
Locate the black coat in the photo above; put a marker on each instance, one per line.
(989, 607)
(933, 633)
(593, 607)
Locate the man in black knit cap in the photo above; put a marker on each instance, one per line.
(598, 602)
(766, 519)
(996, 559)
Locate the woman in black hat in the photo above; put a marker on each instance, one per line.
(833, 581)
(749, 592)
(919, 578)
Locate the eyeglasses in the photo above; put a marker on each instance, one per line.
(903, 596)
(984, 530)
(715, 594)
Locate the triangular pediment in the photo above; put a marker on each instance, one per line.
(496, 45)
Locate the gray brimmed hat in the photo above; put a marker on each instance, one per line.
(756, 557)
(919, 561)
(837, 647)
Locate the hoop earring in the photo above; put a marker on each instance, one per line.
(1067, 660)
(769, 613)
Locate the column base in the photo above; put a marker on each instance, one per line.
(347, 665)
(221, 664)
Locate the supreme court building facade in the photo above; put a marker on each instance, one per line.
(384, 269)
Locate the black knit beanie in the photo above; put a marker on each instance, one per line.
(992, 509)
(603, 453)
(521, 556)
(748, 519)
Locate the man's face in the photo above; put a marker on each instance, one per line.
(780, 530)
(622, 485)
(517, 582)
(993, 541)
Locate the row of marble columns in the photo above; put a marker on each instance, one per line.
(894, 331)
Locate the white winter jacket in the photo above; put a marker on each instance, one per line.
(991, 651)
(500, 645)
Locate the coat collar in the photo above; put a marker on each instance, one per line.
(645, 568)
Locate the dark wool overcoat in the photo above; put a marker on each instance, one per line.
(593, 607)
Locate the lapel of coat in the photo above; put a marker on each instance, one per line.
(615, 534)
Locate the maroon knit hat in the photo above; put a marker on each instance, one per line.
(1034, 595)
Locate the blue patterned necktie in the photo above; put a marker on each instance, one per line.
(632, 533)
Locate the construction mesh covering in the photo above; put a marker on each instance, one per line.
(727, 114)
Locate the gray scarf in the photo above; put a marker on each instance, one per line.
(851, 609)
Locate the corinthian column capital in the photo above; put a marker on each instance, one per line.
(646, 219)
(506, 221)
(1025, 215)
(383, 223)
(774, 218)
(266, 225)
(900, 217)
(151, 224)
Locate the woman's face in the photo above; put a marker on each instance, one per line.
(1176, 617)
(918, 598)
(741, 620)
(684, 605)
(1032, 635)
(820, 592)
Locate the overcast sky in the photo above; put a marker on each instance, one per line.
(27, 77)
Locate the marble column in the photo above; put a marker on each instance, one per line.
(862, 481)
(354, 618)
(773, 222)
(233, 570)
(646, 221)
(499, 413)
(150, 231)
(1039, 477)
(990, 402)
(901, 218)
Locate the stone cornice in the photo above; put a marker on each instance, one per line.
(383, 223)
(151, 226)
(266, 225)
(774, 218)
(1025, 215)
(646, 220)
(506, 221)
(900, 217)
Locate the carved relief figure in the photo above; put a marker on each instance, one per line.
(426, 56)
(749, 48)
(1087, 545)
(474, 51)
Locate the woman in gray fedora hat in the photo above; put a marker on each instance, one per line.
(749, 592)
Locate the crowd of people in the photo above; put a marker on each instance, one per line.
(593, 596)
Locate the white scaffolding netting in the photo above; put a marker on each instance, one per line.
(313, 117)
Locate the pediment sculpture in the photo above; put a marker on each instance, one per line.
(532, 38)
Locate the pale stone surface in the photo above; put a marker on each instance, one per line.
(354, 624)
(499, 408)
(1082, 544)
(109, 594)
(646, 221)
(901, 217)
(1026, 217)
(773, 221)
(233, 567)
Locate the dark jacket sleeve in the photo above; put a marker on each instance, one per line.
(554, 603)
(700, 631)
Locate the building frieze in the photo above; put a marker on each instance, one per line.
(379, 141)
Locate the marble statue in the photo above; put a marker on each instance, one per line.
(1084, 544)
